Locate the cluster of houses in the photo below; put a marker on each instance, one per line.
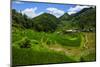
(77, 30)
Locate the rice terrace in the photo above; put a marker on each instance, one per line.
(47, 33)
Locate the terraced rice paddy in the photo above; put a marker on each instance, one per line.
(52, 47)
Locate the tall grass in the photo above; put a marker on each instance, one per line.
(72, 40)
(39, 53)
(37, 56)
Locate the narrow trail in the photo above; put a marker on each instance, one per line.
(73, 53)
(89, 44)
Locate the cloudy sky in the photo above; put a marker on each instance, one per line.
(33, 9)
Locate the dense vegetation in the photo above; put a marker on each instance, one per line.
(45, 39)
(45, 22)
(84, 20)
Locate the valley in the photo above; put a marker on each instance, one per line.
(46, 39)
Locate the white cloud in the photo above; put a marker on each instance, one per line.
(71, 13)
(75, 9)
(31, 12)
(56, 12)
(18, 2)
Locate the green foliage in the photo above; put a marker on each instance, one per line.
(45, 22)
(25, 43)
(86, 20)
(65, 17)
(42, 56)
(38, 53)
(88, 58)
(49, 38)
(65, 40)
(21, 20)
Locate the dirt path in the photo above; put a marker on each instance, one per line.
(72, 52)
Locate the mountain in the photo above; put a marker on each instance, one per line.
(82, 11)
(82, 20)
(45, 22)
(86, 19)
(65, 22)
(66, 16)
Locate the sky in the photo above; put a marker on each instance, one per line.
(33, 9)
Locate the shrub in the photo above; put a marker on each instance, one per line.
(25, 43)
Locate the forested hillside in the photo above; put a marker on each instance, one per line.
(84, 20)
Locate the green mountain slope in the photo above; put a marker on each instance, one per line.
(45, 22)
(84, 20)
(21, 21)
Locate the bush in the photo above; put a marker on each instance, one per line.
(25, 43)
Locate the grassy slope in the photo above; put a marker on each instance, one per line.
(40, 56)
(51, 48)
(39, 53)
(48, 38)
